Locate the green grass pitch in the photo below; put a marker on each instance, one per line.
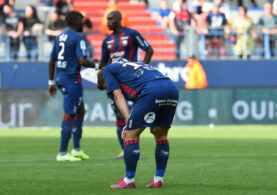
(224, 160)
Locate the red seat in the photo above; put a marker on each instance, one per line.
(140, 20)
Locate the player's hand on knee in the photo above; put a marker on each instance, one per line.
(123, 134)
(52, 90)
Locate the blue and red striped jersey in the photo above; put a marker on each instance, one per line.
(68, 47)
(124, 45)
(130, 77)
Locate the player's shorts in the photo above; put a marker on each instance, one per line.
(72, 97)
(155, 106)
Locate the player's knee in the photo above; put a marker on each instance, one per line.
(81, 110)
(160, 133)
(67, 115)
(133, 134)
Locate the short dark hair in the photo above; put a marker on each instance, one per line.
(244, 8)
(71, 17)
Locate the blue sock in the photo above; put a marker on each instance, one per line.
(77, 131)
(66, 129)
(131, 157)
(161, 155)
(119, 131)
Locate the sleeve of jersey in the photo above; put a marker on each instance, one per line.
(140, 41)
(105, 52)
(111, 82)
(81, 49)
(54, 53)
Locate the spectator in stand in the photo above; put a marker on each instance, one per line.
(113, 5)
(217, 26)
(87, 28)
(196, 76)
(31, 28)
(274, 5)
(225, 9)
(240, 3)
(268, 23)
(45, 9)
(198, 6)
(163, 14)
(179, 19)
(2, 3)
(12, 27)
(201, 17)
(136, 1)
(63, 7)
(55, 26)
(243, 26)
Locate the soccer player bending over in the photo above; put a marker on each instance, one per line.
(122, 42)
(67, 57)
(155, 98)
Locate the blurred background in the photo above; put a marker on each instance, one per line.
(221, 55)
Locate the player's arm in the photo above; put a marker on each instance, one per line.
(148, 55)
(105, 54)
(83, 61)
(103, 64)
(51, 83)
(81, 53)
(145, 46)
(121, 103)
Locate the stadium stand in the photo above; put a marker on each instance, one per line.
(140, 20)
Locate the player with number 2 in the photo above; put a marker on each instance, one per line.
(67, 57)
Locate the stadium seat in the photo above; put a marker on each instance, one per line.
(140, 20)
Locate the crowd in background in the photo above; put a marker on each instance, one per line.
(211, 18)
(214, 20)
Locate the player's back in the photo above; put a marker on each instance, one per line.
(132, 76)
(66, 52)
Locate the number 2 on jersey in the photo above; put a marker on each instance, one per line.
(61, 52)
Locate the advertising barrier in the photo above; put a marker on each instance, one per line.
(19, 108)
(250, 73)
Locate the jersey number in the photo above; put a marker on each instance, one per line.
(136, 66)
(60, 55)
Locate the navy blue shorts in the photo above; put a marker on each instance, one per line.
(72, 97)
(155, 106)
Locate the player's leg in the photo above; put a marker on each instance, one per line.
(120, 124)
(66, 130)
(141, 116)
(131, 157)
(70, 105)
(77, 127)
(166, 101)
(77, 133)
(119, 127)
(161, 155)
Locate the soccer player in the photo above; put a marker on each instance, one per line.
(123, 42)
(155, 98)
(67, 57)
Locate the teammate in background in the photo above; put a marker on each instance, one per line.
(123, 42)
(155, 98)
(68, 55)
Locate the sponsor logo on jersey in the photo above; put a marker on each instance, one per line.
(150, 117)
